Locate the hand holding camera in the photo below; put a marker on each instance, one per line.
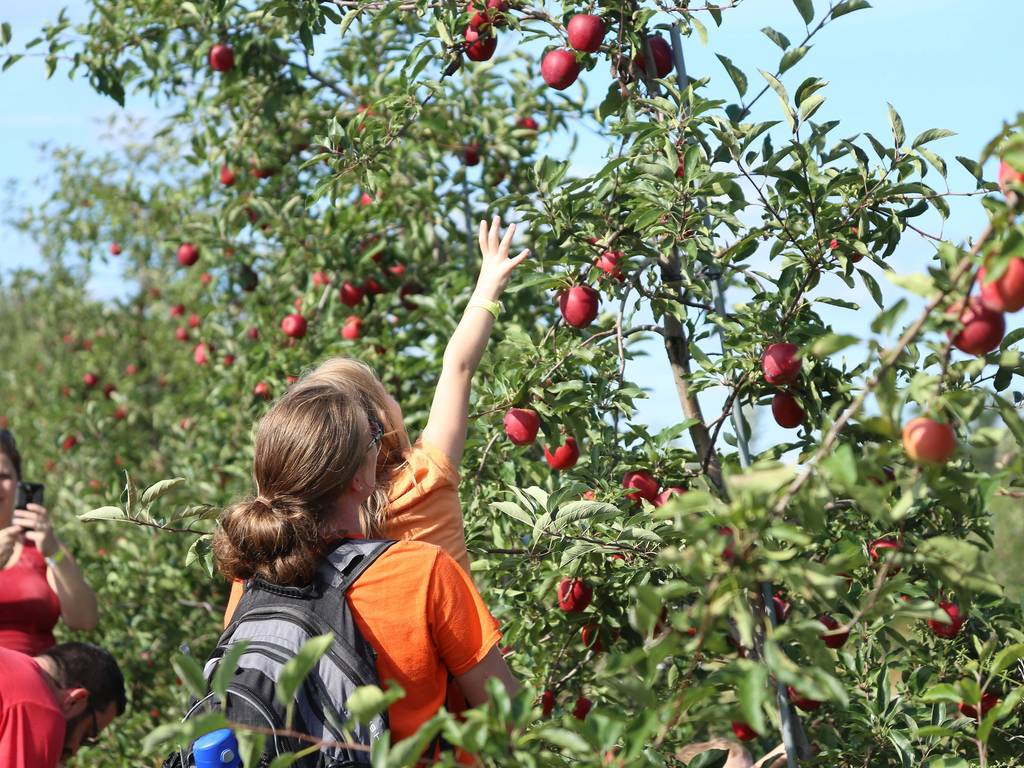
(33, 519)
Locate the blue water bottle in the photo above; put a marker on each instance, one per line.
(218, 749)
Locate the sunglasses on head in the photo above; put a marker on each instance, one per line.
(376, 430)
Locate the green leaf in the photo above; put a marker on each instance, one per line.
(791, 57)
(958, 562)
(931, 135)
(806, 9)
(810, 105)
(831, 343)
(162, 488)
(191, 674)
(295, 671)
(514, 511)
(941, 692)
(226, 668)
(250, 746)
(735, 74)
(752, 692)
(1007, 656)
(5, 33)
(841, 466)
(899, 134)
(849, 6)
(919, 284)
(103, 513)
(776, 37)
(780, 90)
(368, 701)
(347, 21)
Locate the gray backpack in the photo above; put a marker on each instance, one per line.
(276, 621)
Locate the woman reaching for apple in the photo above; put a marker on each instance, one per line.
(39, 579)
(417, 495)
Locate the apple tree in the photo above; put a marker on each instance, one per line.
(312, 191)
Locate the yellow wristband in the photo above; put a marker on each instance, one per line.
(494, 307)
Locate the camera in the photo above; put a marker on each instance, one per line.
(29, 493)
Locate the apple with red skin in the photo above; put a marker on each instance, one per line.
(521, 425)
(181, 333)
(353, 328)
(409, 289)
(1006, 292)
(608, 262)
(564, 456)
(927, 441)
(350, 294)
(661, 52)
(780, 363)
(662, 498)
(69, 442)
(253, 333)
(951, 629)
(227, 176)
(528, 123)
(131, 369)
(222, 58)
(479, 46)
(547, 702)
(643, 483)
(782, 607)
(833, 640)
(321, 279)
(229, 360)
(802, 702)
(201, 354)
(574, 595)
(115, 249)
(294, 325)
(988, 700)
(743, 731)
(262, 389)
(1008, 175)
(194, 320)
(559, 68)
(586, 32)
(591, 637)
(120, 413)
(879, 547)
(365, 199)
(471, 154)
(372, 287)
(579, 305)
(188, 254)
(582, 708)
(108, 390)
(90, 380)
(982, 328)
(492, 13)
(728, 553)
(787, 411)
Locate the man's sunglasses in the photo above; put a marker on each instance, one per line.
(94, 733)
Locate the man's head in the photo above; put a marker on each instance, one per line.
(89, 689)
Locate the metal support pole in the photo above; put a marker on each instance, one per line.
(792, 732)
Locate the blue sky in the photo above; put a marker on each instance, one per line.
(942, 63)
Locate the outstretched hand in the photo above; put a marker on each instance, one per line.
(497, 266)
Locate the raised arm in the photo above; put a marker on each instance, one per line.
(446, 425)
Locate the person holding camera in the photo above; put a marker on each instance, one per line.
(40, 582)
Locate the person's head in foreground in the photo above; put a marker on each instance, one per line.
(314, 464)
(89, 690)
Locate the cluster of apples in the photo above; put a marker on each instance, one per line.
(780, 364)
(522, 426)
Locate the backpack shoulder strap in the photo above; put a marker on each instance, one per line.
(349, 560)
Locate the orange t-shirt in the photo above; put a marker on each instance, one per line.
(424, 506)
(424, 617)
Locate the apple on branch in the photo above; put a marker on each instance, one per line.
(521, 425)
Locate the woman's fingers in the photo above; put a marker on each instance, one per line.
(495, 232)
(519, 259)
(506, 241)
(483, 237)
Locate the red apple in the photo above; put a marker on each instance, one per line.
(409, 289)
(988, 700)
(743, 731)
(787, 411)
(728, 552)
(294, 325)
(527, 123)
(956, 620)
(780, 363)
(201, 354)
(574, 595)
(115, 249)
(321, 279)
(120, 413)
(365, 199)
(559, 69)
(222, 58)
(206, 278)
(582, 708)
(782, 607)
(253, 333)
(832, 640)
(194, 320)
(521, 425)
(262, 389)
(579, 305)
(131, 369)
(802, 702)
(982, 328)
(350, 294)
(372, 287)
(108, 390)
(188, 254)
(586, 32)
(927, 441)
(471, 154)
(591, 637)
(353, 327)
(90, 380)
(479, 46)
(1007, 176)
(227, 176)
(229, 360)
(547, 702)
(663, 497)
(661, 52)
(646, 487)
(608, 262)
(1005, 293)
(565, 456)
(69, 442)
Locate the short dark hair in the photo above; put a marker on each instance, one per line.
(83, 665)
(10, 448)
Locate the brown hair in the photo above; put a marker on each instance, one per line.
(357, 378)
(10, 449)
(308, 447)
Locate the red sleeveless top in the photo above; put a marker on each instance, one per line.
(29, 609)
